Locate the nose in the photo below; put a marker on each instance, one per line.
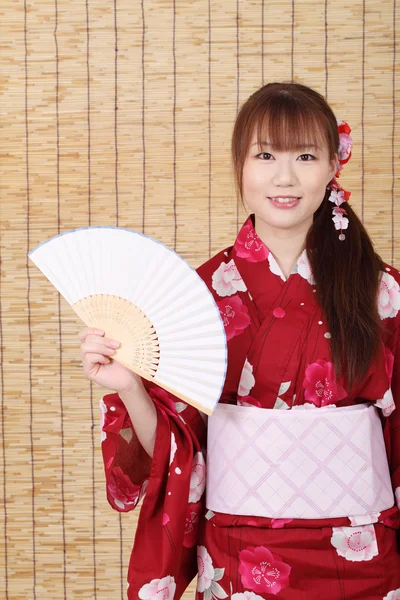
(284, 174)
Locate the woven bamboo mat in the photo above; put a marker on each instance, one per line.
(121, 113)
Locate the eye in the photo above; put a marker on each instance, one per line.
(306, 157)
(265, 156)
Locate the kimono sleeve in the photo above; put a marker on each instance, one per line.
(394, 417)
(127, 465)
(172, 484)
(389, 310)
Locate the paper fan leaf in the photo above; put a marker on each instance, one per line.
(148, 298)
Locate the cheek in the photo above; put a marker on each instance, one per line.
(316, 184)
(253, 178)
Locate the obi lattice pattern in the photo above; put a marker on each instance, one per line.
(307, 464)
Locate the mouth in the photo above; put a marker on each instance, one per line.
(284, 201)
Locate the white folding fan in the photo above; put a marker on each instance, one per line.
(148, 298)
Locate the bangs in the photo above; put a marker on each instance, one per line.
(289, 117)
(288, 125)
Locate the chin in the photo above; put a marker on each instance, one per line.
(285, 224)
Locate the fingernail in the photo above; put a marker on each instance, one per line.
(99, 331)
(114, 344)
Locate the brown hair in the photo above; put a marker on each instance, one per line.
(346, 272)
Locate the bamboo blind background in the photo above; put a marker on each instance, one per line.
(120, 113)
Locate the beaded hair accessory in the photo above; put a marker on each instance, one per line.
(339, 195)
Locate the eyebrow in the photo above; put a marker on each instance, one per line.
(298, 147)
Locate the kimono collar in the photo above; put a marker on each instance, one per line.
(252, 249)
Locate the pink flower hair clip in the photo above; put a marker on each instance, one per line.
(339, 195)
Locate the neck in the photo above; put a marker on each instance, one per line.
(285, 245)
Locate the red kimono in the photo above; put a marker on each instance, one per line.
(278, 357)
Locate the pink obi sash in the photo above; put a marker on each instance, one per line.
(307, 464)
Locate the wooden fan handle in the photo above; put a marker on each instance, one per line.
(122, 320)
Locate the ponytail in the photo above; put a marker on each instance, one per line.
(347, 281)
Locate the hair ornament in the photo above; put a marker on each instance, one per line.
(339, 195)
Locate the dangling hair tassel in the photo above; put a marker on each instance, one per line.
(341, 222)
(338, 195)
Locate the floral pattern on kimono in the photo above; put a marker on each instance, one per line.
(278, 357)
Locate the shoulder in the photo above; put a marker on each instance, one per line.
(389, 292)
(391, 271)
(389, 307)
(208, 268)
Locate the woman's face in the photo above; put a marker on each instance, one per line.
(284, 189)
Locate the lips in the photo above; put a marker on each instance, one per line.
(284, 201)
(285, 198)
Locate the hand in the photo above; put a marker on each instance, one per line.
(96, 351)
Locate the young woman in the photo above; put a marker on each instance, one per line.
(303, 450)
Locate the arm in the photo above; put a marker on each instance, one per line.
(140, 430)
(394, 420)
(142, 413)
(390, 405)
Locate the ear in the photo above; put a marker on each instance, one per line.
(333, 167)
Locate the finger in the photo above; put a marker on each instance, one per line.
(85, 331)
(90, 347)
(109, 342)
(97, 358)
(95, 346)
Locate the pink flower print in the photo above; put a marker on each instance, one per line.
(248, 401)
(103, 411)
(337, 196)
(304, 268)
(340, 221)
(393, 595)
(247, 380)
(388, 296)
(345, 144)
(174, 448)
(249, 246)
(205, 569)
(389, 363)
(279, 403)
(158, 589)
(108, 418)
(197, 478)
(208, 576)
(391, 522)
(274, 267)
(235, 316)
(364, 519)
(192, 522)
(279, 523)
(308, 405)
(263, 571)
(226, 280)
(320, 385)
(355, 543)
(246, 596)
(397, 496)
(343, 127)
(386, 403)
(121, 488)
